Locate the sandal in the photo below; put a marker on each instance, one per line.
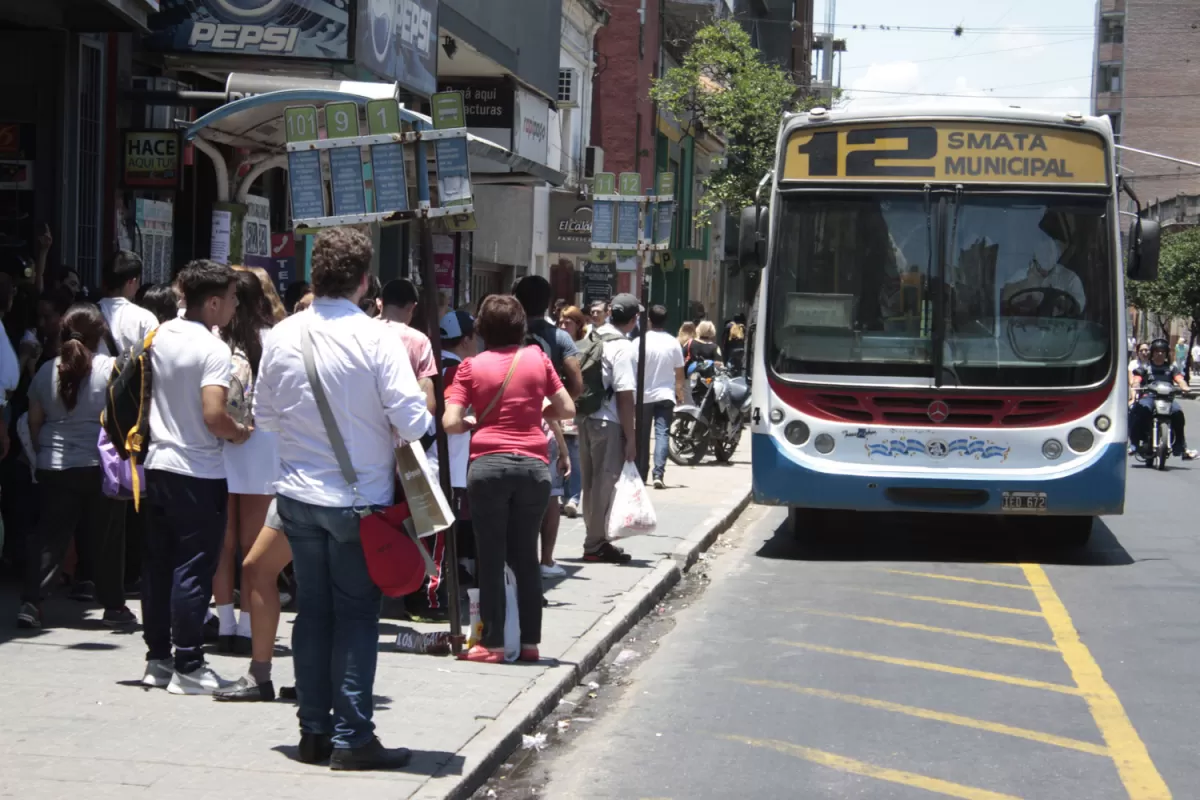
(529, 654)
(481, 655)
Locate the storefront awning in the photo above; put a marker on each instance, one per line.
(256, 123)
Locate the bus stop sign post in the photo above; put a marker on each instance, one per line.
(385, 144)
(627, 221)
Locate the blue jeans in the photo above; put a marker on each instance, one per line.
(661, 413)
(335, 639)
(575, 481)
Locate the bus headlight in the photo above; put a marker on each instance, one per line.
(796, 432)
(776, 415)
(823, 443)
(1052, 449)
(1080, 440)
(1102, 423)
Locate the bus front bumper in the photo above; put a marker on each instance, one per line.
(1097, 488)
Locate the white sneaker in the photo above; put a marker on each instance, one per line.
(659, 483)
(159, 673)
(201, 680)
(571, 509)
(553, 571)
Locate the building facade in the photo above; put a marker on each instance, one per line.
(60, 68)
(1143, 79)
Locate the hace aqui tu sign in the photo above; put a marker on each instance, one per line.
(151, 160)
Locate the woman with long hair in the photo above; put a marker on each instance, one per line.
(65, 400)
(250, 467)
(265, 550)
(508, 480)
(687, 332)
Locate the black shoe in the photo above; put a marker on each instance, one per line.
(29, 617)
(370, 756)
(246, 691)
(83, 591)
(608, 553)
(235, 645)
(288, 693)
(315, 748)
(119, 617)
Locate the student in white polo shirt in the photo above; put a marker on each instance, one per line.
(128, 322)
(185, 478)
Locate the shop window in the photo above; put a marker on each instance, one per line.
(567, 80)
(89, 160)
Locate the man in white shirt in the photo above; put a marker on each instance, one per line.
(664, 385)
(606, 438)
(372, 394)
(128, 323)
(185, 478)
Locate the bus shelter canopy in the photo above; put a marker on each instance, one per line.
(256, 123)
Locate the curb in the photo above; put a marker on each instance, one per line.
(498, 740)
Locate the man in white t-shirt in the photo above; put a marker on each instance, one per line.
(664, 385)
(606, 438)
(185, 478)
(128, 323)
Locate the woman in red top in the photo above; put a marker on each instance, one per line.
(508, 481)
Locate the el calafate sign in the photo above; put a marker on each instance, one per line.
(151, 160)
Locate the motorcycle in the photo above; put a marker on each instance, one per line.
(715, 418)
(1160, 443)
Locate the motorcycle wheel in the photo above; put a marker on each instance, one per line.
(682, 446)
(723, 450)
(1164, 446)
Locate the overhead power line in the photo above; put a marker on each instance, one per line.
(983, 52)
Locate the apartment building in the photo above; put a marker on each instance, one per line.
(1145, 78)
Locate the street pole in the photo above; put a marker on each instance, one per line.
(429, 293)
(641, 429)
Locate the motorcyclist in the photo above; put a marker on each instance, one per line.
(1141, 412)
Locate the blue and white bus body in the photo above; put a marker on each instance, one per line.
(924, 463)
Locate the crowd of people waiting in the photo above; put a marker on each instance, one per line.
(241, 474)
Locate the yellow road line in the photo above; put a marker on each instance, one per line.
(843, 764)
(915, 626)
(958, 578)
(938, 716)
(935, 667)
(960, 603)
(1136, 769)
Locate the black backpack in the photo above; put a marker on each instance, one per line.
(591, 364)
(126, 416)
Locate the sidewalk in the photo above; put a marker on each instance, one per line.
(77, 721)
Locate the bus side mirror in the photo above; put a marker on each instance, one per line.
(750, 255)
(1142, 264)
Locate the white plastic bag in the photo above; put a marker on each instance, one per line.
(512, 622)
(475, 631)
(631, 513)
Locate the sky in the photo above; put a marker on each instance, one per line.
(1031, 53)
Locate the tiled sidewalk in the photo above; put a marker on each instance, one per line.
(76, 721)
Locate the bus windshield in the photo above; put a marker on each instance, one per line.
(1026, 289)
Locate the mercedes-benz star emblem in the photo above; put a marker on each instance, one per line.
(938, 411)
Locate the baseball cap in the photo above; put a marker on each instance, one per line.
(624, 307)
(457, 324)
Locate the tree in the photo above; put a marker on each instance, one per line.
(724, 86)
(1175, 293)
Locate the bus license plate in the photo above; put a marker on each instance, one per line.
(1029, 502)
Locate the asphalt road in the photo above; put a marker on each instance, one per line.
(909, 658)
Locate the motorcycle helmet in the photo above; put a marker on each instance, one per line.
(1160, 344)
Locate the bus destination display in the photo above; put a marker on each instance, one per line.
(951, 152)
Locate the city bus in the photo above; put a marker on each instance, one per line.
(940, 324)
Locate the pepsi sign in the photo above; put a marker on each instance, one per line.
(397, 41)
(278, 28)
